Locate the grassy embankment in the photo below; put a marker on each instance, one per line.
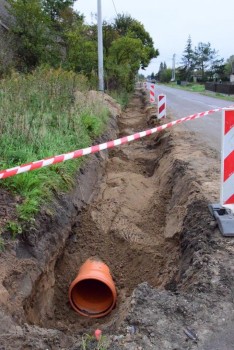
(39, 118)
(201, 89)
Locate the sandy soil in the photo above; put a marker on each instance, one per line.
(143, 209)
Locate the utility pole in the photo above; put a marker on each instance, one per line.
(100, 48)
(173, 68)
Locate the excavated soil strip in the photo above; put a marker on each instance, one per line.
(124, 226)
(147, 220)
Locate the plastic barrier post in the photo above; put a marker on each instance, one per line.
(161, 106)
(152, 93)
(224, 212)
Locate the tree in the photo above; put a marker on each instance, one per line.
(166, 75)
(217, 69)
(126, 25)
(81, 49)
(204, 55)
(53, 8)
(188, 62)
(162, 74)
(32, 28)
(123, 62)
(51, 32)
(109, 35)
(229, 65)
(152, 76)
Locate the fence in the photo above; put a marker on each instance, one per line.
(223, 88)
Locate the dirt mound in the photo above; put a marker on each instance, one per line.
(142, 209)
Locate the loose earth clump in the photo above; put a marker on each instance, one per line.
(142, 208)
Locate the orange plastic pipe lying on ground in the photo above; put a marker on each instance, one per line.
(93, 292)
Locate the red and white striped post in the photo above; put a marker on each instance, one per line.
(227, 162)
(161, 106)
(152, 93)
(224, 212)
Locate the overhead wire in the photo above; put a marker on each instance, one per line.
(114, 7)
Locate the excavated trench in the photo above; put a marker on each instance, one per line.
(127, 226)
(140, 210)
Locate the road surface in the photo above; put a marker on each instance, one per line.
(183, 103)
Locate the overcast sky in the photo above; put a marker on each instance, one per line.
(170, 22)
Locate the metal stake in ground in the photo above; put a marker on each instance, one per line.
(224, 212)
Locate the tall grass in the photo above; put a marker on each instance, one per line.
(122, 97)
(39, 118)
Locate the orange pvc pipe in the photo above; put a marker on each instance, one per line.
(93, 293)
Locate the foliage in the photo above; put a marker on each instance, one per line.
(217, 69)
(49, 122)
(32, 28)
(122, 97)
(123, 62)
(188, 62)
(2, 244)
(89, 342)
(229, 65)
(7, 54)
(14, 227)
(51, 32)
(164, 74)
(127, 26)
(54, 8)
(127, 47)
(109, 35)
(82, 49)
(203, 56)
(201, 62)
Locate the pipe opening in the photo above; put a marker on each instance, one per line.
(91, 297)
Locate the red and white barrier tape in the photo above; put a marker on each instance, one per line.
(97, 148)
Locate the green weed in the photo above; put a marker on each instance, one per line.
(38, 119)
(121, 97)
(2, 244)
(89, 341)
(14, 227)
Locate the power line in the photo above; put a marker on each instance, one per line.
(114, 7)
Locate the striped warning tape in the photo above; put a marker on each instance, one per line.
(97, 148)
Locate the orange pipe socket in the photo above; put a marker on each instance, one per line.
(93, 293)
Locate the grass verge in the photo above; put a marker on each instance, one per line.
(40, 118)
(200, 88)
(121, 97)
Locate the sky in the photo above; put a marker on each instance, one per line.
(170, 23)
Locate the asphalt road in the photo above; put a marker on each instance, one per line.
(184, 103)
